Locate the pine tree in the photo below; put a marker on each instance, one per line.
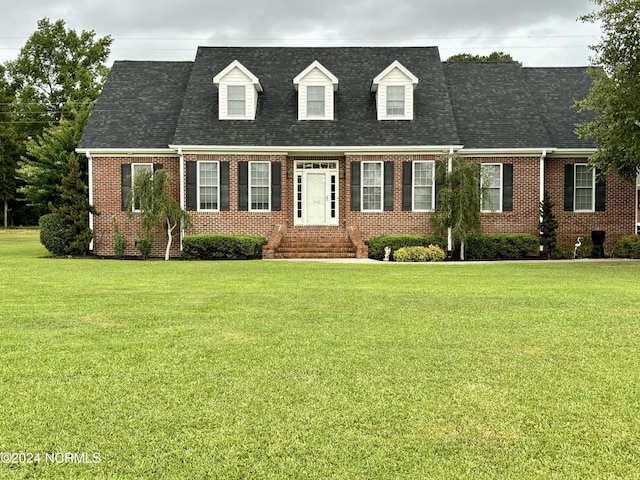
(548, 225)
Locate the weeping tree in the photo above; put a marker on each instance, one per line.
(459, 199)
(158, 210)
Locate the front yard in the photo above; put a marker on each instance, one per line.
(260, 369)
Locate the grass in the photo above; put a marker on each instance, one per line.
(272, 370)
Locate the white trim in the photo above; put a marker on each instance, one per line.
(198, 185)
(362, 186)
(90, 187)
(319, 150)
(500, 186)
(130, 152)
(133, 180)
(217, 80)
(413, 185)
(395, 65)
(316, 65)
(249, 200)
(575, 188)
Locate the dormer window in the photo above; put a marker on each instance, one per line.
(316, 86)
(394, 92)
(238, 90)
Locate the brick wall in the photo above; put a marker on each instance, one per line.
(617, 220)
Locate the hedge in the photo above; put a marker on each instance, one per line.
(627, 247)
(502, 246)
(395, 242)
(222, 247)
(432, 253)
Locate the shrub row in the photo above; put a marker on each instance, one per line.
(222, 247)
(627, 247)
(502, 246)
(432, 253)
(395, 242)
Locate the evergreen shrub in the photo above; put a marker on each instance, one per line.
(222, 247)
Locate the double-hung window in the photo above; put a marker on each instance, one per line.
(136, 170)
(584, 188)
(259, 186)
(236, 100)
(491, 187)
(395, 100)
(208, 185)
(372, 186)
(423, 186)
(315, 101)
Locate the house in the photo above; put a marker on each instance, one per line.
(319, 149)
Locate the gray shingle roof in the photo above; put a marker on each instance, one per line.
(478, 105)
(555, 90)
(493, 106)
(139, 106)
(355, 121)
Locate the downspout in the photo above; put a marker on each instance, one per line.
(90, 174)
(182, 201)
(449, 170)
(542, 185)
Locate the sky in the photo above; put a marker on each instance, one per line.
(541, 33)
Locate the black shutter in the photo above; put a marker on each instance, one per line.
(388, 186)
(407, 185)
(355, 186)
(192, 179)
(507, 187)
(276, 187)
(568, 187)
(243, 186)
(157, 166)
(601, 192)
(224, 187)
(125, 185)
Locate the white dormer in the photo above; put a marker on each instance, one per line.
(238, 90)
(394, 92)
(315, 86)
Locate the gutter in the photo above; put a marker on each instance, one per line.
(90, 173)
(543, 156)
(182, 200)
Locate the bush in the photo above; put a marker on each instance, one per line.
(222, 247)
(432, 253)
(119, 240)
(395, 242)
(144, 246)
(501, 246)
(627, 247)
(52, 234)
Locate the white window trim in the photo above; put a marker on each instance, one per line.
(400, 116)
(362, 186)
(379, 87)
(252, 89)
(199, 185)
(330, 83)
(575, 188)
(323, 115)
(133, 181)
(237, 116)
(413, 186)
(268, 209)
(499, 209)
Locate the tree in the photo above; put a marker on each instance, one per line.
(7, 153)
(55, 69)
(157, 208)
(75, 209)
(492, 57)
(548, 225)
(615, 94)
(459, 199)
(46, 161)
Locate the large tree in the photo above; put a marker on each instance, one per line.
(615, 95)
(492, 57)
(7, 150)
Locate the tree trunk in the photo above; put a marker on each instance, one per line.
(169, 239)
(6, 214)
(461, 250)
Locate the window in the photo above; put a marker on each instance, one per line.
(259, 182)
(584, 188)
(491, 187)
(423, 191)
(395, 100)
(136, 170)
(315, 101)
(208, 186)
(236, 100)
(372, 186)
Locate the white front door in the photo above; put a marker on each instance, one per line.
(316, 198)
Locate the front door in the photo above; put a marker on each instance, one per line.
(316, 198)
(316, 193)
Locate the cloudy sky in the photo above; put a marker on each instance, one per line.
(537, 33)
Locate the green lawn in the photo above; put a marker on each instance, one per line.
(259, 370)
